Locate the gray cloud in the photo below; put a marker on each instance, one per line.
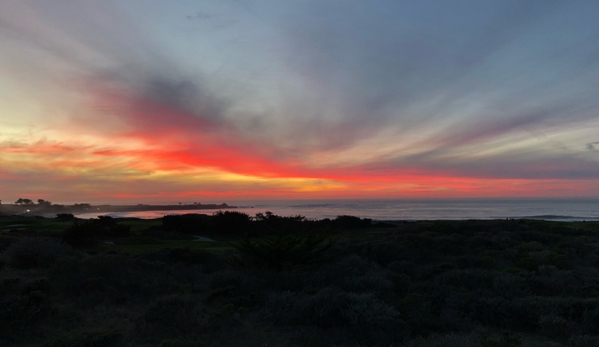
(103, 45)
(408, 66)
(591, 146)
(510, 166)
(377, 58)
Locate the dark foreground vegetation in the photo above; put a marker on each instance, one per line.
(287, 281)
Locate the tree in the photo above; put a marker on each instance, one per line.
(43, 202)
(232, 223)
(82, 206)
(20, 201)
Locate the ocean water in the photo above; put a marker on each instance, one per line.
(407, 209)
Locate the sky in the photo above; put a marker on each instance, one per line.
(138, 101)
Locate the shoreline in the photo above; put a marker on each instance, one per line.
(77, 209)
(383, 211)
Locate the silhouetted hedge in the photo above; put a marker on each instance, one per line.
(188, 223)
(232, 223)
(352, 222)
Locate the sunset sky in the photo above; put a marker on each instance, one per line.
(157, 101)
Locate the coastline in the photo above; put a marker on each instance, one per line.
(78, 209)
(569, 210)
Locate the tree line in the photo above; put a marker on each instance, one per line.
(40, 202)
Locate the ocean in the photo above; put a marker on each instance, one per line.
(576, 209)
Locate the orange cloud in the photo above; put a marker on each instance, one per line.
(132, 148)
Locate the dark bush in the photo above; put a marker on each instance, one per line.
(555, 326)
(362, 316)
(468, 279)
(416, 309)
(18, 312)
(268, 223)
(520, 314)
(91, 280)
(181, 343)
(232, 223)
(92, 338)
(169, 317)
(80, 234)
(106, 226)
(583, 341)
(351, 222)
(115, 230)
(157, 234)
(34, 252)
(84, 233)
(186, 256)
(502, 339)
(188, 223)
(357, 274)
(283, 252)
(234, 287)
(65, 216)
